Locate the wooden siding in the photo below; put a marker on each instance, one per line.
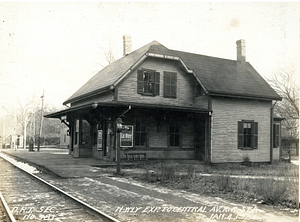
(157, 137)
(201, 101)
(127, 90)
(226, 113)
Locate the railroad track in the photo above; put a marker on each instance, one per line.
(5, 215)
(31, 198)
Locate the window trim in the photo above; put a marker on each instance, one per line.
(276, 135)
(146, 132)
(176, 124)
(241, 135)
(141, 82)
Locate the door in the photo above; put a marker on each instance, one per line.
(75, 138)
(85, 142)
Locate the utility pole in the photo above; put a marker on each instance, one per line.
(41, 126)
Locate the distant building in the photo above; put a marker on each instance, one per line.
(15, 141)
(177, 105)
(64, 141)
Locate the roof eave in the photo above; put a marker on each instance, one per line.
(93, 93)
(243, 96)
(132, 104)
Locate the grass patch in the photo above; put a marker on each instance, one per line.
(251, 190)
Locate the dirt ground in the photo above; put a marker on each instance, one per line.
(132, 198)
(129, 198)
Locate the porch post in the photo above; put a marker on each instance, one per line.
(208, 139)
(118, 129)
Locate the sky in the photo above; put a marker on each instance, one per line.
(57, 47)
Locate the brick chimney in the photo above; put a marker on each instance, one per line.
(127, 45)
(241, 50)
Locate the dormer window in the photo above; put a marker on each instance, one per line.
(148, 82)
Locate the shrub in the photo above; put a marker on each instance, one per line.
(168, 171)
(272, 191)
(224, 183)
(146, 174)
(246, 161)
(191, 171)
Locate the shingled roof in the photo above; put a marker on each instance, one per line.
(218, 76)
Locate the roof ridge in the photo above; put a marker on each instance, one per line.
(213, 57)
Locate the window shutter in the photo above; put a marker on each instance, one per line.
(170, 84)
(275, 135)
(166, 84)
(240, 135)
(255, 135)
(173, 85)
(140, 81)
(156, 85)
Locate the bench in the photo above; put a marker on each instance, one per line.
(135, 156)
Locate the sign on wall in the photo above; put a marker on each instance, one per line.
(127, 136)
(99, 141)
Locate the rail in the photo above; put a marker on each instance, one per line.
(86, 206)
(6, 209)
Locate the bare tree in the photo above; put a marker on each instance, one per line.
(286, 83)
(25, 113)
(109, 52)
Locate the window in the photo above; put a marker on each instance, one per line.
(140, 133)
(85, 132)
(148, 82)
(276, 135)
(174, 135)
(247, 134)
(170, 84)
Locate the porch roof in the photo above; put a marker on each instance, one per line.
(89, 107)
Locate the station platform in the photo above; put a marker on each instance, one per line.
(60, 163)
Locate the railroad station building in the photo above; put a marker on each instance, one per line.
(175, 105)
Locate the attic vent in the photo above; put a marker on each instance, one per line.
(241, 50)
(127, 45)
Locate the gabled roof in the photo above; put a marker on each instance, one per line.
(218, 76)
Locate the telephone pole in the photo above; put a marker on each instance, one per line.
(41, 126)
